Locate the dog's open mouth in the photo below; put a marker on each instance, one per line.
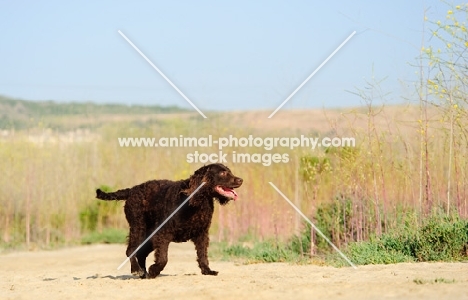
(226, 192)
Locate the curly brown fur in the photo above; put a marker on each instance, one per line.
(150, 203)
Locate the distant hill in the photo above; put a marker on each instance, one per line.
(17, 113)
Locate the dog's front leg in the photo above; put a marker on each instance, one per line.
(201, 245)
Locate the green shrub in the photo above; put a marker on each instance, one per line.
(333, 220)
(376, 252)
(300, 244)
(97, 213)
(440, 238)
(107, 236)
(266, 251)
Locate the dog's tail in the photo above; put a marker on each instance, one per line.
(119, 195)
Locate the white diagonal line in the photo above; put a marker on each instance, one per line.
(315, 228)
(160, 226)
(313, 73)
(161, 73)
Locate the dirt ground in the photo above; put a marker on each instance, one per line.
(90, 272)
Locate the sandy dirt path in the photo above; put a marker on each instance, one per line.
(90, 272)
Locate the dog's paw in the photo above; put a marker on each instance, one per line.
(209, 272)
(140, 273)
(154, 271)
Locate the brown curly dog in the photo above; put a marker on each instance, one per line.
(149, 204)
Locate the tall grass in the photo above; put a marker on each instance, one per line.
(47, 193)
(48, 188)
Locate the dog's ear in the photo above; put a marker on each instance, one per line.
(202, 171)
(195, 181)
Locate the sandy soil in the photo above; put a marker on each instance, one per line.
(91, 273)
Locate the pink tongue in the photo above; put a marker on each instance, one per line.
(231, 191)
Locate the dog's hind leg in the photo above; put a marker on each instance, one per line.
(161, 247)
(134, 241)
(135, 238)
(141, 256)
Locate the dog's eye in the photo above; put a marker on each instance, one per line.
(223, 173)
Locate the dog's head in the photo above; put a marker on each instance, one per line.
(219, 183)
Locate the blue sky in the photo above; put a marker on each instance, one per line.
(224, 56)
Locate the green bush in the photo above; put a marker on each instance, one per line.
(107, 236)
(376, 252)
(440, 238)
(266, 251)
(333, 220)
(97, 213)
(300, 244)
